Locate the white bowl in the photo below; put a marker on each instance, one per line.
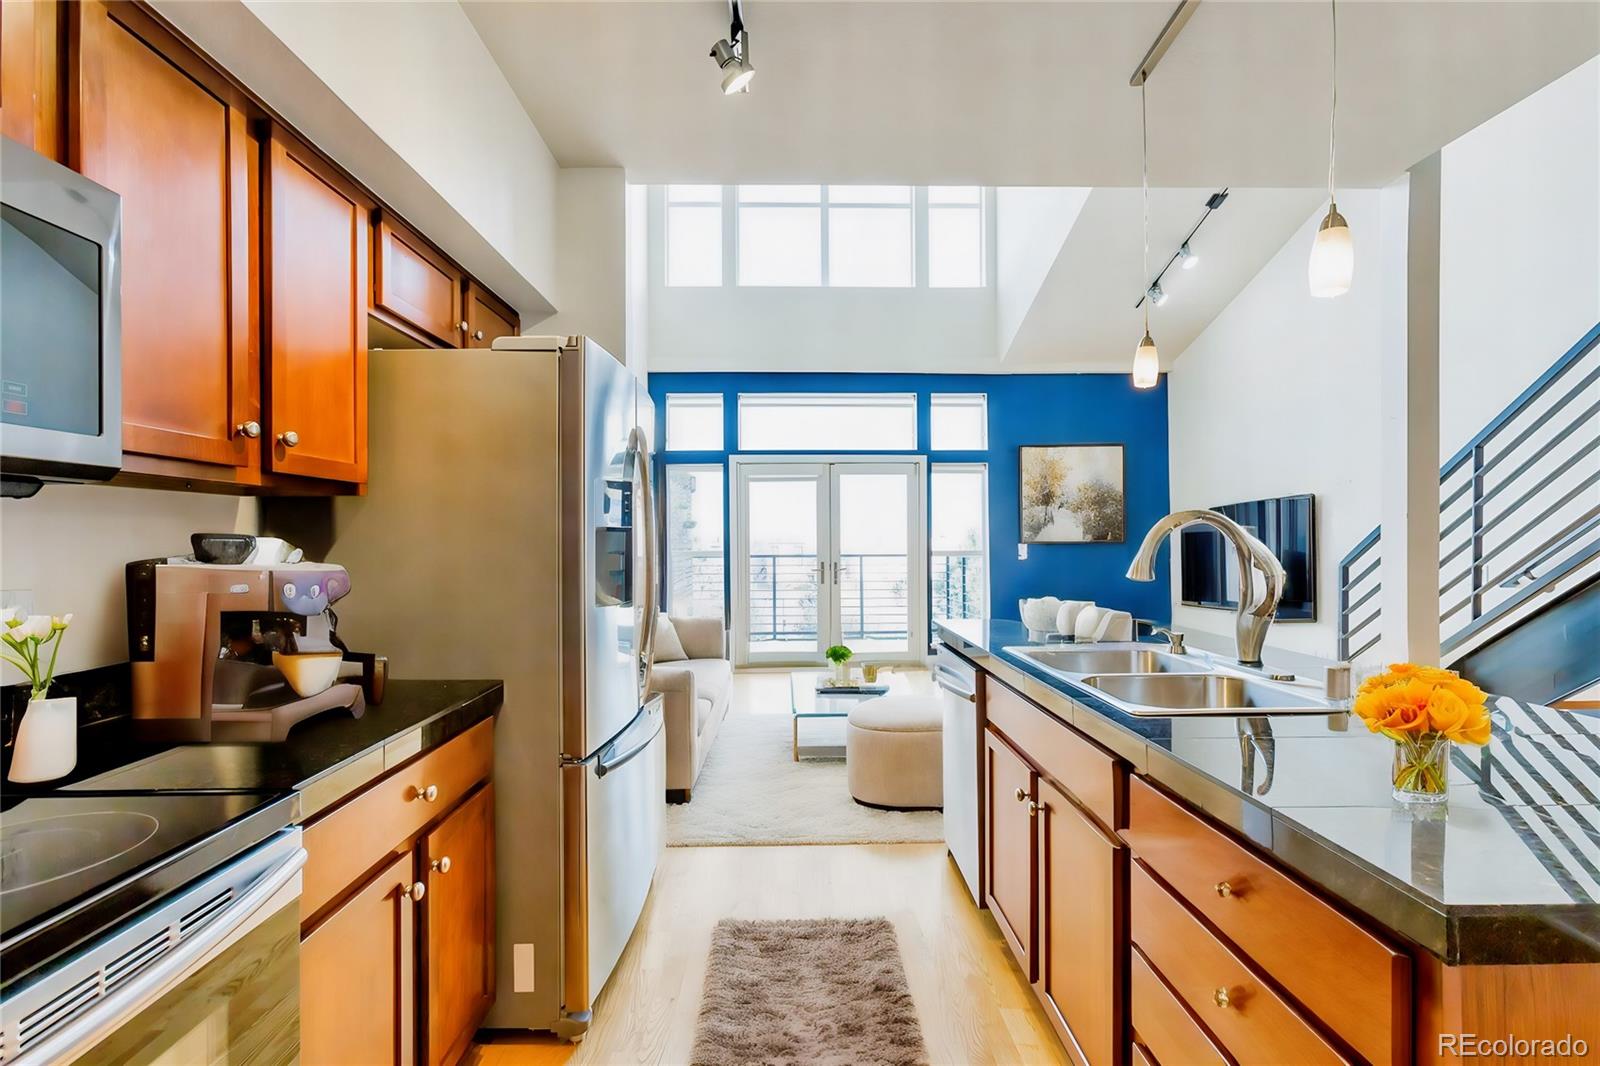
(308, 673)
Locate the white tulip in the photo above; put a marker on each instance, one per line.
(11, 616)
(61, 621)
(36, 627)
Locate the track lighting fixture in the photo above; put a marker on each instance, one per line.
(1188, 257)
(733, 54)
(1185, 256)
(1333, 253)
(1157, 295)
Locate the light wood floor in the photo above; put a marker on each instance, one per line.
(973, 1002)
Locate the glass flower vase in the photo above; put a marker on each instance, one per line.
(1421, 768)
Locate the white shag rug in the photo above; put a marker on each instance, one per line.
(751, 791)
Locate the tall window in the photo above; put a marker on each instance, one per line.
(694, 235)
(827, 422)
(869, 236)
(958, 422)
(694, 422)
(955, 237)
(780, 235)
(958, 539)
(695, 586)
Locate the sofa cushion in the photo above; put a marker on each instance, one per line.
(702, 714)
(668, 648)
(712, 678)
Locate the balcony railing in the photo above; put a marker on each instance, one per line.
(873, 597)
(958, 585)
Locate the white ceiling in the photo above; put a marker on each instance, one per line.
(1084, 318)
(1003, 93)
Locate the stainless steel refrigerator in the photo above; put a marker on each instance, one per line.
(508, 531)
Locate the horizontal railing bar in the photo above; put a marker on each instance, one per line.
(1531, 393)
(1361, 546)
(1359, 578)
(1367, 596)
(1364, 623)
(1545, 418)
(1365, 647)
(1566, 498)
(1532, 558)
(1527, 592)
(1566, 464)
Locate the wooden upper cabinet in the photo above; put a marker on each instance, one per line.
(32, 104)
(414, 287)
(358, 977)
(458, 927)
(152, 121)
(487, 317)
(1010, 786)
(1082, 932)
(317, 228)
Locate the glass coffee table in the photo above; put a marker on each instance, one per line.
(807, 701)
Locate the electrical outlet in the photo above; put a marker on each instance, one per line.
(22, 599)
(522, 972)
(1022, 553)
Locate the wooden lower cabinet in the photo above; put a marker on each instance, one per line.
(398, 966)
(1082, 929)
(1009, 786)
(458, 926)
(358, 976)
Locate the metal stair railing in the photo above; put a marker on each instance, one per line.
(1519, 511)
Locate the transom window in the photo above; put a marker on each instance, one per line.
(831, 422)
(958, 422)
(836, 236)
(694, 422)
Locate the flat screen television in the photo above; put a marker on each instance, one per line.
(1287, 525)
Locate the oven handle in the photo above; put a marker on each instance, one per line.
(944, 683)
(82, 1033)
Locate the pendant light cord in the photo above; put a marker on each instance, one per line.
(1333, 105)
(1144, 156)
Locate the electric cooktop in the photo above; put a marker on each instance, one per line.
(72, 867)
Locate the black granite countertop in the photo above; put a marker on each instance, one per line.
(1508, 872)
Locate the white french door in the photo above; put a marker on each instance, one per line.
(829, 551)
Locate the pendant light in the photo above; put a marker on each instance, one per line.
(1333, 253)
(1146, 360)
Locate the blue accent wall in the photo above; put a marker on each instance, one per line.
(1023, 409)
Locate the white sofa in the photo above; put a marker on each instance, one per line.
(696, 695)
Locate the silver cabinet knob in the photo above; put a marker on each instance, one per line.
(1033, 809)
(477, 335)
(462, 325)
(1022, 795)
(441, 864)
(288, 438)
(426, 794)
(416, 890)
(247, 429)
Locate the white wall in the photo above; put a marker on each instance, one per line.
(65, 549)
(636, 238)
(1519, 249)
(591, 258)
(1275, 398)
(1030, 225)
(405, 96)
(813, 329)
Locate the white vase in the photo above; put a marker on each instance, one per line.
(47, 741)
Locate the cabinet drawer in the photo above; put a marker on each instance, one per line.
(1164, 1025)
(351, 839)
(414, 283)
(1354, 982)
(1252, 1021)
(1082, 768)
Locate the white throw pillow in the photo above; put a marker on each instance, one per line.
(669, 649)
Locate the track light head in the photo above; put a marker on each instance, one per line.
(1157, 295)
(1188, 256)
(732, 55)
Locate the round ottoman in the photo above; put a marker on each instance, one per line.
(894, 752)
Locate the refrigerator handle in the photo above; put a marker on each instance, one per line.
(645, 515)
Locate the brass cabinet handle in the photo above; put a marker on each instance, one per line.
(1224, 889)
(247, 429)
(415, 891)
(1022, 795)
(426, 794)
(288, 438)
(1033, 809)
(441, 864)
(1223, 998)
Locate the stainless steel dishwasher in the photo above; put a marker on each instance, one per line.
(957, 683)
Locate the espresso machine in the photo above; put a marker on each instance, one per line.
(237, 651)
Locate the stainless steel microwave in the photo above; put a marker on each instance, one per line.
(60, 323)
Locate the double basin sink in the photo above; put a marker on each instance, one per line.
(1147, 682)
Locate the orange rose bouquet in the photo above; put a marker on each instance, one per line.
(1422, 709)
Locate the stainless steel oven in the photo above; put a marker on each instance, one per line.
(61, 325)
(209, 974)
